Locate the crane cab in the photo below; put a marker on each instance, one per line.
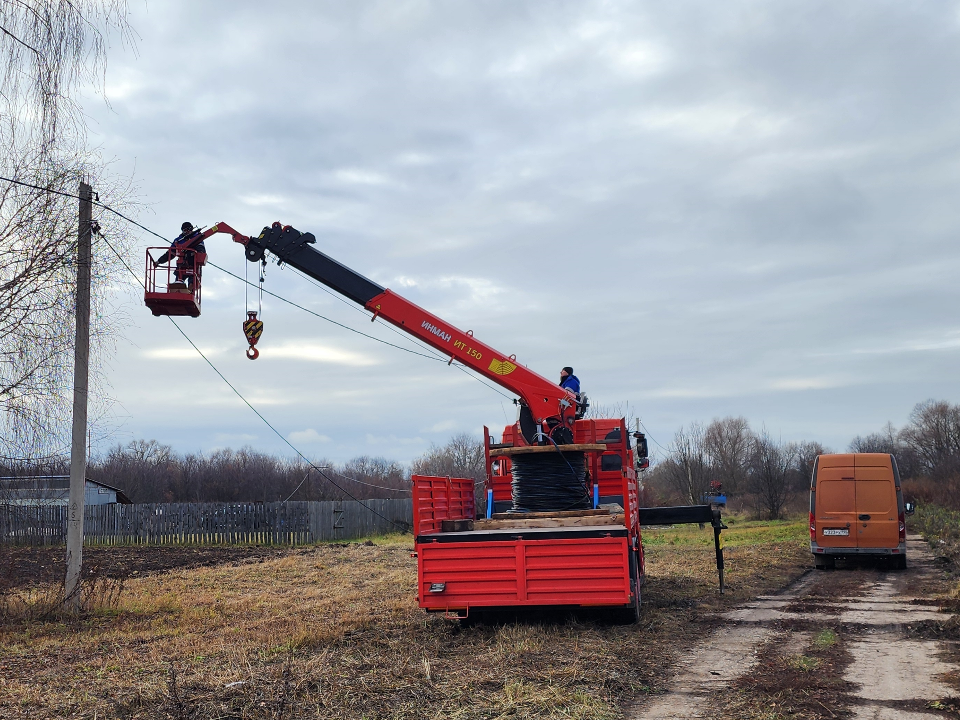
(172, 280)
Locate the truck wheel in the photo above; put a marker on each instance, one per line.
(635, 583)
(630, 614)
(634, 612)
(901, 562)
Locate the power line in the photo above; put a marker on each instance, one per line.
(651, 436)
(255, 411)
(362, 482)
(435, 355)
(322, 317)
(290, 302)
(155, 234)
(77, 197)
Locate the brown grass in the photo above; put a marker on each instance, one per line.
(335, 632)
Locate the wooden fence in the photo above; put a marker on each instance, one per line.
(290, 523)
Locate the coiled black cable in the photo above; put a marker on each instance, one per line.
(548, 482)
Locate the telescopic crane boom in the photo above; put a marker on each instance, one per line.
(547, 411)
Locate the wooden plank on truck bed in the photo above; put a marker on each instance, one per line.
(548, 522)
(554, 513)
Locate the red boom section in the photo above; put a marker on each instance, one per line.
(544, 398)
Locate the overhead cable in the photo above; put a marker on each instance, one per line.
(246, 402)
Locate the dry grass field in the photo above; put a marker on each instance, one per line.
(334, 631)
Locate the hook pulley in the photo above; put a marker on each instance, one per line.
(252, 328)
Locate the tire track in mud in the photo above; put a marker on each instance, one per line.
(887, 673)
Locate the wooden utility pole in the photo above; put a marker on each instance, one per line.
(81, 364)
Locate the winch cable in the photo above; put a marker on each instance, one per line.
(256, 412)
(263, 277)
(323, 317)
(409, 338)
(434, 356)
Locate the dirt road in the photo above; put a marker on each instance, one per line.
(847, 644)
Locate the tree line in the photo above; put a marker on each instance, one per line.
(747, 463)
(927, 450)
(752, 465)
(149, 472)
(770, 473)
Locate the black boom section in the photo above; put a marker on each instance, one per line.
(294, 248)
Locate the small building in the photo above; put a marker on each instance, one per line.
(55, 490)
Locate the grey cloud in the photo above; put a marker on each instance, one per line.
(706, 208)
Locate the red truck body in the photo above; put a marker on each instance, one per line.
(597, 566)
(556, 561)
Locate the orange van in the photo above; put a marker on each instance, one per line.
(856, 509)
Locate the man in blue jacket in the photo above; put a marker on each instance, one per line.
(569, 381)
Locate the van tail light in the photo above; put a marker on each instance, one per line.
(903, 527)
(813, 527)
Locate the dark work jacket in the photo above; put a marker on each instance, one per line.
(572, 383)
(189, 240)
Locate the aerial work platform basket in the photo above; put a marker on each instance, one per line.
(172, 281)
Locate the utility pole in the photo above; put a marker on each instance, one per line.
(81, 373)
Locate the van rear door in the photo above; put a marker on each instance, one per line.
(836, 501)
(877, 522)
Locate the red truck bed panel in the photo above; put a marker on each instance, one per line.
(507, 573)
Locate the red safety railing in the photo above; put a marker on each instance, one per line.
(174, 286)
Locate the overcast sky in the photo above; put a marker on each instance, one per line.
(707, 209)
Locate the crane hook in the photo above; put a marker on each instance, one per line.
(252, 328)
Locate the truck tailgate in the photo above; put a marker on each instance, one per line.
(521, 571)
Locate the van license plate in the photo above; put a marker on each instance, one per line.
(837, 531)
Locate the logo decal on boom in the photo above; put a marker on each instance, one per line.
(445, 336)
(502, 367)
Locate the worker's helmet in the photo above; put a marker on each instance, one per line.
(186, 227)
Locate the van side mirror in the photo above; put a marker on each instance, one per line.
(908, 508)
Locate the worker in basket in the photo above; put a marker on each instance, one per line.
(185, 248)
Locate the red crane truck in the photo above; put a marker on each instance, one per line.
(584, 553)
